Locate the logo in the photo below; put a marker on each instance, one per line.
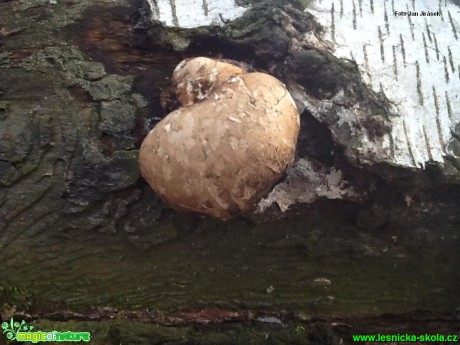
(21, 332)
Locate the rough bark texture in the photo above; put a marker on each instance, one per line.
(83, 238)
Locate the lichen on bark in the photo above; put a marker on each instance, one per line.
(82, 235)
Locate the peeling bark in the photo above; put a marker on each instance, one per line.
(82, 235)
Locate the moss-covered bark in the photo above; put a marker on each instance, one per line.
(83, 237)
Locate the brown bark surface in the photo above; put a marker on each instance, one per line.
(82, 236)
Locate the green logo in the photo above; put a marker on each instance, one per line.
(13, 328)
(22, 332)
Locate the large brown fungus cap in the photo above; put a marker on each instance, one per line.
(222, 153)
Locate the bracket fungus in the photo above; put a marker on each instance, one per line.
(228, 144)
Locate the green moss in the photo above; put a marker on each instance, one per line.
(120, 248)
(137, 333)
(232, 265)
(3, 110)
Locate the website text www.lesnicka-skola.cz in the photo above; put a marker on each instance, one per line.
(448, 338)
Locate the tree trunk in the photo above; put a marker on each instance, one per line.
(84, 240)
